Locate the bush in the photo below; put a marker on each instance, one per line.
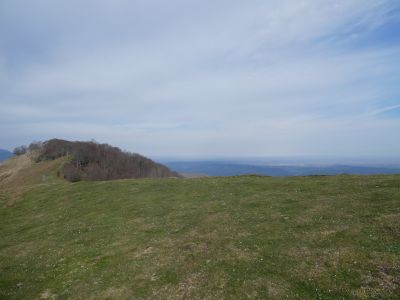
(71, 173)
(35, 146)
(20, 150)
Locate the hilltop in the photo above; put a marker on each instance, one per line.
(94, 161)
(326, 237)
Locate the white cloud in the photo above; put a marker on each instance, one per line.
(200, 78)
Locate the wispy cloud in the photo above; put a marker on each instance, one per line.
(383, 110)
(202, 77)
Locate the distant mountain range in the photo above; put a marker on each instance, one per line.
(5, 154)
(220, 168)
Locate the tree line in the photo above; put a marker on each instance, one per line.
(94, 161)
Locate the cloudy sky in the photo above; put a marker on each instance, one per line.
(203, 78)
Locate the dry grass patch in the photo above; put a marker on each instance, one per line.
(20, 173)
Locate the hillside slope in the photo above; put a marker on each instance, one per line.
(20, 172)
(94, 161)
(210, 238)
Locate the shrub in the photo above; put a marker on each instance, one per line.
(20, 150)
(71, 173)
(35, 146)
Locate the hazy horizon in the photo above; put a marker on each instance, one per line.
(287, 160)
(204, 79)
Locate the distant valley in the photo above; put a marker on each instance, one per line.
(5, 154)
(226, 168)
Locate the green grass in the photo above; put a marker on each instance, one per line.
(242, 237)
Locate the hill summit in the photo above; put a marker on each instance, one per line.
(94, 161)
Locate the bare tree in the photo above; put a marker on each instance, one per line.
(93, 161)
(20, 150)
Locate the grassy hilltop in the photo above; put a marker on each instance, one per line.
(244, 237)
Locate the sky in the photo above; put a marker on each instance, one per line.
(221, 78)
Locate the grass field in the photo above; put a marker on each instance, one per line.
(242, 237)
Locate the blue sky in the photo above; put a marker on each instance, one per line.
(204, 78)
